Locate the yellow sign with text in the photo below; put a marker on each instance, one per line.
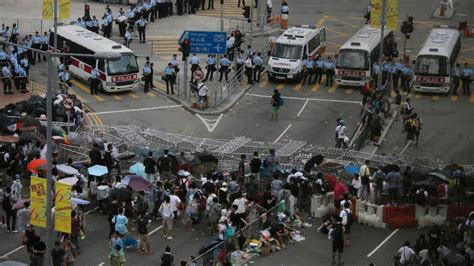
(62, 212)
(64, 7)
(38, 202)
(391, 9)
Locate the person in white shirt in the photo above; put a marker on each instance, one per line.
(167, 213)
(344, 214)
(241, 204)
(175, 201)
(406, 254)
(209, 202)
(341, 131)
(202, 95)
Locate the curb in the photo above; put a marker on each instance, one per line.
(217, 112)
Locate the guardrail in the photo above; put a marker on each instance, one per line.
(28, 26)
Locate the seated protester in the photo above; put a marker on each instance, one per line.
(326, 225)
(282, 230)
(406, 253)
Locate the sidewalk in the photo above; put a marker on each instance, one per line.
(13, 98)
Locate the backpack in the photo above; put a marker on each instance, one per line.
(350, 218)
(281, 102)
(229, 232)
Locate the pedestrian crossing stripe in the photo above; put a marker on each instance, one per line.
(349, 91)
(116, 97)
(280, 86)
(315, 88)
(332, 89)
(86, 90)
(151, 94)
(435, 97)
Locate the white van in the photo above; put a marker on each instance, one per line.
(289, 50)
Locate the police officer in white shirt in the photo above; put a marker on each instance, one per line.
(128, 37)
(95, 81)
(248, 69)
(141, 25)
(44, 43)
(36, 44)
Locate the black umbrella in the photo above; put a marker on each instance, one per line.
(209, 244)
(390, 167)
(126, 156)
(122, 194)
(315, 160)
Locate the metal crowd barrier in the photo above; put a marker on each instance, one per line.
(28, 26)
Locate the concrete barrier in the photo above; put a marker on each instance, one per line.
(370, 214)
(429, 215)
(321, 205)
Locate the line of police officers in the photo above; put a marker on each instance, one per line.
(317, 67)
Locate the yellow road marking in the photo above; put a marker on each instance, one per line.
(79, 97)
(297, 87)
(263, 84)
(435, 97)
(280, 86)
(116, 97)
(454, 98)
(86, 90)
(151, 94)
(349, 91)
(133, 95)
(160, 86)
(342, 34)
(320, 22)
(332, 89)
(346, 23)
(418, 96)
(315, 88)
(471, 99)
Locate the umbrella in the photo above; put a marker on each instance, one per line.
(352, 169)
(126, 156)
(20, 204)
(98, 170)
(315, 160)
(79, 201)
(68, 170)
(122, 194)
(209, 244)
(69, 180)
(138, 169)
(35, 164)
(137, 183)
(389, 167)
(439, 175)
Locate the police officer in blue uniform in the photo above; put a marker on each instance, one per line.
(169, 76)
(4, 56)
(15, 34)
(147, 76)
(319, 63)
(194, 65)
(141, 25)
(175, 63)
(211, 66)
(405, 77)
(239, 62)
(224, 68)
(308, 70)
(25, 64)
(329, 67)
(6, 76)
(36, 44)
(20, 79)
(95, 25)
(95, 81)
(466, 73)
(44, 43)
(65, 76)
(107, 25)
(257, 71)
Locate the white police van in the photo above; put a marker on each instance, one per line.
(288, 51)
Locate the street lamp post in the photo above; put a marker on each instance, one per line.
(111, 56)
(382, 28)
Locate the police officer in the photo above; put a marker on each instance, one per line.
(161, 8)
(36, 44)
(466, 73)
(375, 70)
(210, 4)
(329, 66)
(249, 69)
(122, 22)
(175, 63)
(169, 78)
(243, 3)
(147, 76)
(15, 34)
(257, 71)
(107, 25)
(224, 68)
(94, 24)
(153, 10)
(239, 62)
(44, 43)
(319, 69)
(4, 31)
(406, 77)
(146, 10)
(20, 79)
(141, 25)
(131, 18)
(179, 7)
(65, 76)
(309, 70)
(80, 23)
(194, 65)
(95, 81)
(25, 64)
(4, 55)
(6, 76)
(211, 66)
(127, 38)
(456, 78)
(284, 8)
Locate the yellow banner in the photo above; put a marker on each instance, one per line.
(38, 202)
(391, 15)
(48, 10)
(64, 8)
(62, 212)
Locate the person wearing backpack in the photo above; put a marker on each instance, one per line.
(276, 102)
(347, 221)
(364, 174)
(379, 178)
(164, 165)
(255, 165)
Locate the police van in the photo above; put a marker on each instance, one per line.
(288, 51)
(356, 57)
(436, 59)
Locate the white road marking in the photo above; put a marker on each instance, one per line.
(210, 124)
(382, 243)
(302, 108)
(310, 99)
(155, 230)
(461, 15)
(11, 252)
(282, 133)
(137, 110)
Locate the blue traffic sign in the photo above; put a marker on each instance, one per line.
(207, 42)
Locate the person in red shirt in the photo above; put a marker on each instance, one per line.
(339, 190)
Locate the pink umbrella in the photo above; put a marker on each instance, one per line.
(137, 183)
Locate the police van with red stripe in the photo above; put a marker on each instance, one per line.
(117, 75)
